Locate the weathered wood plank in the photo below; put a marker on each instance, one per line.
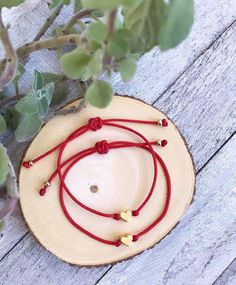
(203, 244)
(31, 264)
(228, 277)
(202, 102)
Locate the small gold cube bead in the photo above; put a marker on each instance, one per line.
(47, 184)
(159, 142)
(159, 122)
(31, 163)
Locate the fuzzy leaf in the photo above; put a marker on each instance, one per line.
(55, 3)
(101, 4)
(12, 117)
(77, 6)
(3, 125)
(2, 223)
(143, 19)
(176, 24)
(95, 64)
(118, 45)
(28, 104)
(74, 64)
(10, 3)
(127, 68)
(97, 32)
(4, 159)
(28, 126)
(52, 77)
(44, 97)
(99, 94)
(38, 81)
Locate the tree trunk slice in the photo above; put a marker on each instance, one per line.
(110, 183)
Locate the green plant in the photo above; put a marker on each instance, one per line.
(105, 36)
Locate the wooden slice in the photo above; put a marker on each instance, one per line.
(115, 182)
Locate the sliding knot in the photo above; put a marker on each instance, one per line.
(95, 124)
(102, 147)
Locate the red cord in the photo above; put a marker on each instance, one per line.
(103, 147)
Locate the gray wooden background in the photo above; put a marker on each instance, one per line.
(195, 85)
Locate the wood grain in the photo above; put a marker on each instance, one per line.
(228, 277)
(32, 264)
(203, 243)
(156, 73)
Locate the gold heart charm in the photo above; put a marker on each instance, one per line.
(127, 240)
(126, 215)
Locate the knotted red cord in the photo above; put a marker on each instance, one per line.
(103, 147)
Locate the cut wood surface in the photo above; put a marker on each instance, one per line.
(117, 191)
(209, 124)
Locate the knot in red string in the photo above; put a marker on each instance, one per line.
(102, 147)
(95, 124)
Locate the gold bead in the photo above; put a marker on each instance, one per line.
(159, 142)
(31, 163)
(159, 122)
(47, 184)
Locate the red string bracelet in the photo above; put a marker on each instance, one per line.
(95, 124)
(127, 239)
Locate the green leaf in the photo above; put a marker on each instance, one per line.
(28, 126)
(127, 68)
(12, 117)
(52, 77)
(95, 64)
(4, 168)
(28, 104)
(97, 32)
(55, 3)
(99, 94)
(143, 19)
(60, 93)
(66, 2)
(3, 125)
(101, 4)
(118, 45)
(10, 3)
(38, 81)
(19, 72)
(2, 224)
(74, 64)
(176, 24)
(77, 6)
(44, 97)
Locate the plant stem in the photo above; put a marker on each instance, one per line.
(11, 59)
(51, 43)
(75, 18)
(9, 100)
(107, 60)
(48, 23)
(111, 22)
